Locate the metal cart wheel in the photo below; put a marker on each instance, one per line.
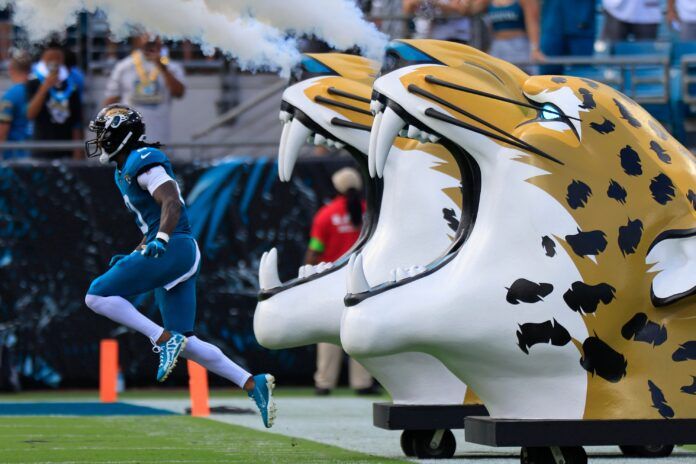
(434, 444)
(407, 437)
(647, 451)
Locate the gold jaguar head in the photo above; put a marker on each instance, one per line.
(613, 194)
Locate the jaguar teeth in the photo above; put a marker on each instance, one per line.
(294, 135)
(415, 270)
(284, 116)
(376, 106)
(401, 274)
(413, 132)
(373, 141)
(323, 266)
(319, 140)
(268, 270)
(281, 148)
(357, 282)
(389, 126)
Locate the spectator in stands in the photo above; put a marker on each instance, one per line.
(382, 9)
(14, 126)
(148, 80)
(566, 31)
(55, 104)
(335, 229)
(638, 19)
(455, 28)
(515, 25)
(682, 13)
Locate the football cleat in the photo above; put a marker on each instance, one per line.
(262, 394)
(169, 352)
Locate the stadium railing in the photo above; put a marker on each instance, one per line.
(181, 151)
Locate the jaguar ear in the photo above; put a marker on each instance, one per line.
(673, 255)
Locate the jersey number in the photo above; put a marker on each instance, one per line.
(138, 217)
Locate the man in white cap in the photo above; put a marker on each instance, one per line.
(335, 229)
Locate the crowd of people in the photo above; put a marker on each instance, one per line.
(528, 31)
(45, 101)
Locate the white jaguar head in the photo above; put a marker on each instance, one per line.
(328, 104)
(397, 239)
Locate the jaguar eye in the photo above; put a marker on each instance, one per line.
(550, 112)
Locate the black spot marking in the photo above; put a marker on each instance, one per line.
(587, 243)
(616, 191)
(662, 189)
(604, 128)
(641, 329)
(685, 352)
(659, 131)
(601, 359)
(550, 331)
(527, 292)
(630, 161)
(690, 389)
(629, 236)
(451, 218)
(585, 298)
(626, 114)
(578, 194)
(660, 152)
(588, 102)
(549, 245)
(659, 401)
(691, 196)
(559, 80)
(590, 82)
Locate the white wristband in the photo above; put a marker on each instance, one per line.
(163, 236)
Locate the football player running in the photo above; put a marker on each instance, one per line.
(166, 261)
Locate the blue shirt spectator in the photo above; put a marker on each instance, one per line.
(55, 105)
(14, 125)
(567, 30)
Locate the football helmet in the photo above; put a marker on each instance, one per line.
(116, 126)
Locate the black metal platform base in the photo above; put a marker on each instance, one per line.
(423, 417)
(525, 432)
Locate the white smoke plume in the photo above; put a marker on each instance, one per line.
(339, 22)
(255, 32)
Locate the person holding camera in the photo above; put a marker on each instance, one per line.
(55, 103)
(148, 81)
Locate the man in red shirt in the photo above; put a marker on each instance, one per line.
(335, 229)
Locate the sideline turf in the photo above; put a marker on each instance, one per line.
(169, 393)
(156, 439)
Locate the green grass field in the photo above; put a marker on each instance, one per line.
(156, 439)
(166, 393)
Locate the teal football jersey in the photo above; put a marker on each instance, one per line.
(139, 201)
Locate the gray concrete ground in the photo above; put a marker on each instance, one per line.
(347, 423)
